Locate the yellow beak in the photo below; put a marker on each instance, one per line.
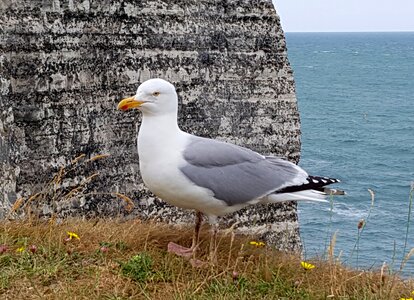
(129, 103)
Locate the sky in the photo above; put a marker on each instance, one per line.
(345, 15)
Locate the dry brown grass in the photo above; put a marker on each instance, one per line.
(71, 182)
(82, 269)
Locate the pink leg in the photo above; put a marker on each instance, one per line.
(184, 251)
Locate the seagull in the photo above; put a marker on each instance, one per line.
(212, 177)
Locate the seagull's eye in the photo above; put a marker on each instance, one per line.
(155, 94)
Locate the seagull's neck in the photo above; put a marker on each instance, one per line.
(160, 124)
(159, 133)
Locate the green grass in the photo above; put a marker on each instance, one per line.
(138, 267)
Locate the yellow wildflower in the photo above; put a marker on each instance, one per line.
(406, 298)
(307, 266)
(257, 244)
(20, 249)
(72, 235)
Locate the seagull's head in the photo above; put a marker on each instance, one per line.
(155, 96)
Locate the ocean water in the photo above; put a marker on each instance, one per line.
(356, 99)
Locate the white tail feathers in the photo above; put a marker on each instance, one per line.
(306, 195)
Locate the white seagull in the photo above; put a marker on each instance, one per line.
(213, 178)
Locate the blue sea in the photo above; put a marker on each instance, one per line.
(356, 99)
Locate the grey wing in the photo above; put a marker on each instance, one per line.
(235, 174)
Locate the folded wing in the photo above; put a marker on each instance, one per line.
(235, 174)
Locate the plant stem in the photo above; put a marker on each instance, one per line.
(356, 246)
(408, 224)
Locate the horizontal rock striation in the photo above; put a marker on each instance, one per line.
(64, 65)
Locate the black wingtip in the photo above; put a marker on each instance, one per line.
(312, 183)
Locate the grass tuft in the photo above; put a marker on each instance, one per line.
(138, 267)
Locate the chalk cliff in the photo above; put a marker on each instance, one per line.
(64, 65)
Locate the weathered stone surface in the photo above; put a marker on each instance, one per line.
(64, 65)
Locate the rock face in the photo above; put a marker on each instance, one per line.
(65, 64)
